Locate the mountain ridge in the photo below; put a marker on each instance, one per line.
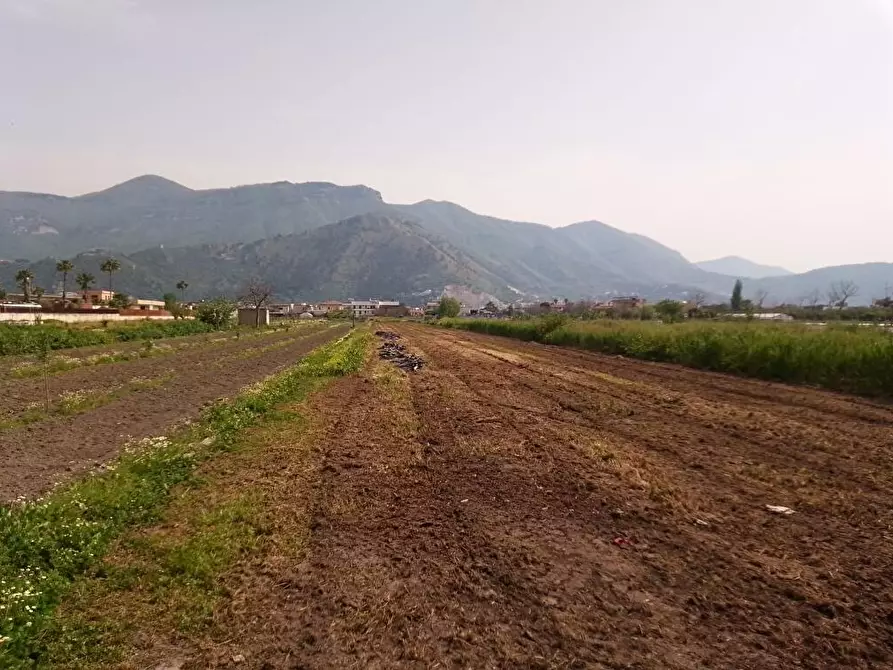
(737, 266)
(383, 256)
(144, 216)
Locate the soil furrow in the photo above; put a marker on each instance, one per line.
(39, 455)
(16, 394)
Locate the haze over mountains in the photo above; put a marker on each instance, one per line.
(316, 240)
(736, 266)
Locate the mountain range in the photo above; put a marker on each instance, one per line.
(316, 240)
(735, 266)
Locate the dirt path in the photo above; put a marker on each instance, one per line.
(39, 454)
(514, 505)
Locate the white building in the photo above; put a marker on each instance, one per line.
(764, 316)
(361, 309)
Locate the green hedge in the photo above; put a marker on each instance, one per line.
(855, 359)
(17, 339)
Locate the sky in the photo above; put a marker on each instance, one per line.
(762, 128)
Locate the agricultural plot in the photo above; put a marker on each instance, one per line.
(855, 359)
(18, 339)
(79, 416)
(510, 504)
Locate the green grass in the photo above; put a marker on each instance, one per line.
(17, 339)
(854, 359)
(47, 544)
(58, 363)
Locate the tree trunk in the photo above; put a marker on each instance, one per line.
(64, 283)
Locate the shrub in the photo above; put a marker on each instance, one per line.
(448, 307)
(217, 313)
(120, 301)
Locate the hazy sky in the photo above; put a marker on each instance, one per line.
(757, 127)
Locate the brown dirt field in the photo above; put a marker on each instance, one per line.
(17, 393)
(40, 454)
(7, 363)
(521, 506)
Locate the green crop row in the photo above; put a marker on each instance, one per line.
(46, 544)
(17, 339)
(854, 359)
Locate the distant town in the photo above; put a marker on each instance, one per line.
(257, 304)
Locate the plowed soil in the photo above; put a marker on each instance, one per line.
(519, 506)
(40, 454)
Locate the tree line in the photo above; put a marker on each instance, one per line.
(25, 279)
(85, 281)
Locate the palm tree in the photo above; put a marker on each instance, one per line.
(84, 279)
(24, 279)
(64, 267)
(182, 285)
(110, 266)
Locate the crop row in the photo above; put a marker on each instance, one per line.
(46, 544)
(16, 339)
(854, 359)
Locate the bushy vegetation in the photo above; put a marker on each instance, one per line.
(18, 339)
(217, 313)
(48, 543)
(448, 307)
(855, 359)
(157, 330)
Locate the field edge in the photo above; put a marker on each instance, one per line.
(48, 544)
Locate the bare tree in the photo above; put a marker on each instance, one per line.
(699, 299)
(257, 295)
(811, 299)
(841, 291)
(760, 297)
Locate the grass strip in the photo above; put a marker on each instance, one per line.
(46, 544)
(854, 359)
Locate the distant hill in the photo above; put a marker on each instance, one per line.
(874, 280)
(323, 240)
(371, 255)
(589, 259)
(735, 266)
(150, 211)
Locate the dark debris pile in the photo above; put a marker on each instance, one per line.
(392, 350)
